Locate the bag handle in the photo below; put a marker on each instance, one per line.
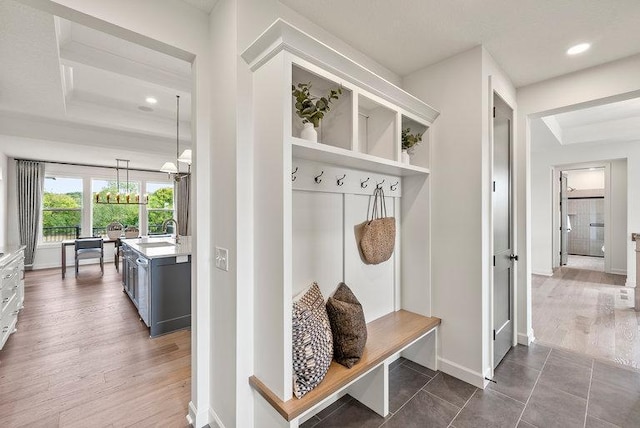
(378, 199)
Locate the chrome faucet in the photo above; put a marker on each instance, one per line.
(175, 222)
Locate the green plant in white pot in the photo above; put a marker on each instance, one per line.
(312, 109)
(409, 143)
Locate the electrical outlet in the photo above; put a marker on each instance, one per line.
(222, 258)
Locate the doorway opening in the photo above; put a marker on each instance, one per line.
(582, 218)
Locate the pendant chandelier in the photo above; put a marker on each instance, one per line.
(123, 196)
(173, 169)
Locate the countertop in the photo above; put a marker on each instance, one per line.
(9, 252)
(152, 248)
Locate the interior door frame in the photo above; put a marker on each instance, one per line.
(494, 91)
(555, 206)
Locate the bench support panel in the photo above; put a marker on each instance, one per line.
(372, 390)
(424, 351)
(266, 416)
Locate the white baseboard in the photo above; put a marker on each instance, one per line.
(619, 271)
(214, 420)
(463, 373)
(526, 339)
(195, 419)
(546, 273)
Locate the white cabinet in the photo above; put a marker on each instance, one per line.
(11, 292)
(308, 196)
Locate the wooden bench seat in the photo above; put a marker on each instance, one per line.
(387, 336)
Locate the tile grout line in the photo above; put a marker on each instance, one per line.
(534, 387)
(417, 371)
(461, 408)
(410, 398)
(586, 410)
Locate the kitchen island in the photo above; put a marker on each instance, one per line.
(156, 275)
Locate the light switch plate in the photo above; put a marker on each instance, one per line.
(222, 258)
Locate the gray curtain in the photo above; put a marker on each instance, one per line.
(183, 190)
(30, 181)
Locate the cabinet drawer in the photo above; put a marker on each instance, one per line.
(8, 297)
(8, 322)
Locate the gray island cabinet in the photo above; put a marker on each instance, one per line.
(156, 275)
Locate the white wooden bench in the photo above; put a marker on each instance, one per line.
(412, 335)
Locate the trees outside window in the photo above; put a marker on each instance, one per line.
(61, 208)
(103, 214)
(160, 206)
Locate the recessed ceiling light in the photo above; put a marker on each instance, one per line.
(578, 49)
(151, 100)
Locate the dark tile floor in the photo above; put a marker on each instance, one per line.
(536, 387)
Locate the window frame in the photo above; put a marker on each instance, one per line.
(41, 235)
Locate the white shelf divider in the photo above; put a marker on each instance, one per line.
(319, 152)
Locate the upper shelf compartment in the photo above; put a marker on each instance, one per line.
(377, 129)
(335, 128)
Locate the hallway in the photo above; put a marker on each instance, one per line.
(588, 312)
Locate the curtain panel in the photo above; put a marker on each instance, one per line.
(183, 190)
(30, 182)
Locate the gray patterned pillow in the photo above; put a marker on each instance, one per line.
(312, 341)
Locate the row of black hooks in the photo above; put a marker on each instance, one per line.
(340, 180)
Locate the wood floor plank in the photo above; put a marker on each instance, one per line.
(81, 357)
(588, 312)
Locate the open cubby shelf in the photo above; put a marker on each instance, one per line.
(360, 123)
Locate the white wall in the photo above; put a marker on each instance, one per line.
(461, 89)
(584, 179)
(234, 25)
(4, 207)
(613, 81)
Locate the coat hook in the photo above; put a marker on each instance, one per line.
(379, 185)
(340, 181)
(394, 186)
(318, 179)
(364, 184)
(293, 174)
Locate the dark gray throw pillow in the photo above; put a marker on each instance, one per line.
(348, 326)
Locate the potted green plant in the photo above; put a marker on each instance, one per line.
(311, 109)
(409, 143)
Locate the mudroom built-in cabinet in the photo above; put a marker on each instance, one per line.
(309, 196)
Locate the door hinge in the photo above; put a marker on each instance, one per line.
(494, 335)
(494, 186)
(494, 261)
(494, 111)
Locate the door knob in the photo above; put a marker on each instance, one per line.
(513, 257)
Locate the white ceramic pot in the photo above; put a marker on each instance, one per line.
(309, 132)
(406, 158)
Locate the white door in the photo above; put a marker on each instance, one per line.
(503, 256)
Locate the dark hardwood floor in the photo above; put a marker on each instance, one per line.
(81, 357)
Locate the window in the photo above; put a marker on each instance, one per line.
(160, 206)
(61, 209)
(103, 214)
